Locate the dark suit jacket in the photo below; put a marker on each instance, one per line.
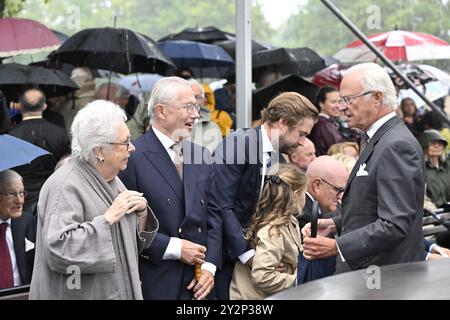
(21, 228)
(324, 134)
(48, 136)
(317, 268)
(235, 194)
(381, 221)
(181, 208)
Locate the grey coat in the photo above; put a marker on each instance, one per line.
(78, 255)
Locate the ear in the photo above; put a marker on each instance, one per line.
(281, 123)
(378, 97)
(45, 107)
(98, 152)
(316, 185)
(159, 111)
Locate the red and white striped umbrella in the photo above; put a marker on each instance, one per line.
(397, 46)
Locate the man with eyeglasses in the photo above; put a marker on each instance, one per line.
(17, 232)
(174, 175)
(326, 181)
(382, 205)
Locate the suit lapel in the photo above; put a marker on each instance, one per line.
(160, 159)
(370, 147)
(18, 235)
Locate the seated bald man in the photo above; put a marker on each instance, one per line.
(326, 181)
(303, 155)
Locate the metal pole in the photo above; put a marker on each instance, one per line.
(383, 58)
(243, 64)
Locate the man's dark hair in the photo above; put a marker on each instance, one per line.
(27, 106)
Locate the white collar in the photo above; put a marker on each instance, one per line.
(379, 123)
(8, 221)
(309, 195)
(267, 144)
(165, 140)
(31, 117)
(324, 115)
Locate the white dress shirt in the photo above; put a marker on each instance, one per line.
(267, 148)
(173, 250)
(12, 253)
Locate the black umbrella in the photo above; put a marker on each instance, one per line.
(206, 34)
(262, 96)
(114, 49)
(302, 61)
(230, 46)
(15, 78)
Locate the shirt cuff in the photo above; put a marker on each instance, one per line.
(173, 250)
(247, 256)
(430, 249)
(208, 266)
(428, 256)
(340, 253)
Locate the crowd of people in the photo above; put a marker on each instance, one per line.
(154, 197)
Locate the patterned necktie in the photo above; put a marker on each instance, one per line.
(178, 159)
(364, 142)
(6, 274)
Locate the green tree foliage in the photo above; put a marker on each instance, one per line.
(316, 27)
(10, 8)
(155, 18)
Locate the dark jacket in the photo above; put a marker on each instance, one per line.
(48, 136)
(382, 206)
(324, 134)
(438, 183)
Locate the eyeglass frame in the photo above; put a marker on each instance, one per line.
(130, 141)
(336, 189)
(15, 194)
(342, 100)
(190, 107)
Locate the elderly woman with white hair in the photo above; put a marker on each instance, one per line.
(90, 227)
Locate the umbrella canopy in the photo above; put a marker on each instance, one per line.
(139, 83)
(61, 36)
(230, 46)
(262, 96)
(330, 76)
(206, 34)
(206, 60)
(397, 45)
(24, 36)
(301, 61)
(14, 78)
(115, 49)
(16, 152)
(432, 82)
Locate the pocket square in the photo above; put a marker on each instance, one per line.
(28, 245)
(361, 171)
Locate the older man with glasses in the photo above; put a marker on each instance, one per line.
(382, 205)
(174, 175)
(17, 232)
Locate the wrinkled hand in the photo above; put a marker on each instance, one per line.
(281, 268)
(319, 247)
(324, 228)
(444, 252)
(125, 203)
(192, 253)
(203, 286)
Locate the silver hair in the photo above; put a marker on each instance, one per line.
(375, 78)
(194, 82)
(9, 176)
(165, 91)
(95, 126)
(121, 91)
